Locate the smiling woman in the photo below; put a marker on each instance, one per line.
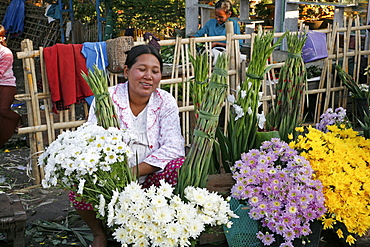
(151, 115)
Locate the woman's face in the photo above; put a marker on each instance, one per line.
(144, 76)
(221, 16)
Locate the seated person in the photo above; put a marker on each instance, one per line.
(152, 115)
(216, 27)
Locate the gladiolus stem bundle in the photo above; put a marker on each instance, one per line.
(285, 116)
(195, 169)
(104, 109)
(242, 126)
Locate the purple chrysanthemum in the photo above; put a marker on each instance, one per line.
(277, 183)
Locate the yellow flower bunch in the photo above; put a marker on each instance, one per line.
(341, 160)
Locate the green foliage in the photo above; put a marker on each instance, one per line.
(146, 15)
(156, 15)
(84, 11)
(314, 71)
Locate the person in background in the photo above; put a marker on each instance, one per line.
(9, 120)
(216, 27)
(152, 115)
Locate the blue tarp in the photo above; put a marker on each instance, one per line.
(14, 17)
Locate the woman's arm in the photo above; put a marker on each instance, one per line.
(169, 141)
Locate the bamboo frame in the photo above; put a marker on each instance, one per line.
(329, 93)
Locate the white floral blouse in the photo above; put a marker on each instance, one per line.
(163, 131)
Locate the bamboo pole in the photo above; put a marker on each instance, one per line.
(186, 97)
(47, 102)
(36, 142)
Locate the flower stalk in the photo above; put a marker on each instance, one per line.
(242, 127)
(201, 79)
(104, 108)
(195, 169)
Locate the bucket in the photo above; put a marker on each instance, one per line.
(244, 229)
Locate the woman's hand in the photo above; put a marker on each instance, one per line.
(214, 44)
(144, 169)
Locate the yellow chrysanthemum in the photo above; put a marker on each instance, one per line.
(350, 239)
(341, 160)
(340, 233)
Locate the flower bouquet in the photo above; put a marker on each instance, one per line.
(333, 117)
(158, 217)
(279, 186)
(91, 161)
(340, 159)
(245, 101)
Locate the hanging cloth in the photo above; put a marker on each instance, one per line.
(54, 12)
(64, 64)
(95, 53)
(14, 17)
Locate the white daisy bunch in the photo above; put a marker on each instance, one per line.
(87, 159)
(157, 217)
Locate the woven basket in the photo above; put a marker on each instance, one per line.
(244, 229)
(116, 49)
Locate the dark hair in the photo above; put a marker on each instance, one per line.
(225, 5)
(140, 50)
(2, 34)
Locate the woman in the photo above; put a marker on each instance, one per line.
(216, 27)
(9, 120)
(149, 112)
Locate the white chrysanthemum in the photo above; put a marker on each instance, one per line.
(45, 184)
(141, 242)
(184, 240)
(111, 157)
(165, 189)
(133, 187)
(158, 240)
(121, 235)
(169, 242)
(158, 201)
(162, 215)
(136, 225)
(121, 217)
(174, 230)
(195, 228)
(186, 213)
(145, 215)
(208, 220)
(154, 231)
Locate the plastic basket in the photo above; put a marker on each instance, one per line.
(315, 47)
(244, 229)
